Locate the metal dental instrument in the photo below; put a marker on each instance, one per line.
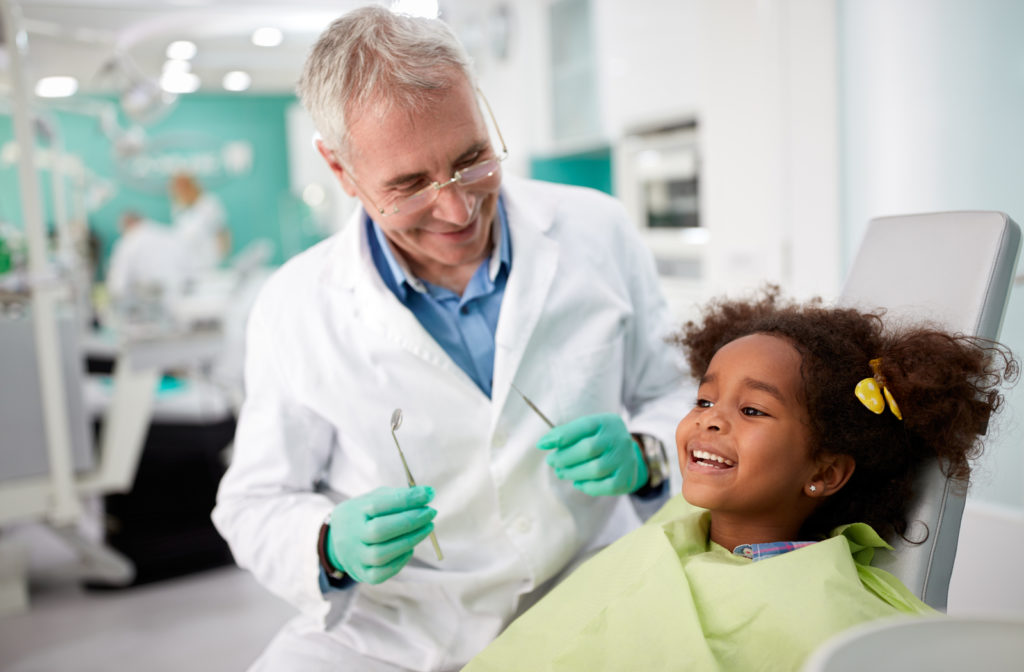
(536, 410)
(396, 422)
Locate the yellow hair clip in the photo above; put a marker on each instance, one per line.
(873, 393)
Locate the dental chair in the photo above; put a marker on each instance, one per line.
(949, 644)
(955, 269)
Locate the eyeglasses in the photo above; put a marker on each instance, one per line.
(420, 200)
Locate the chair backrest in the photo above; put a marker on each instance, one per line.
(954, 269)
(948, 644)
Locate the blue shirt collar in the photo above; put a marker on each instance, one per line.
(403, 278)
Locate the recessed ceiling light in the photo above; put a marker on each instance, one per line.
(182, 50)
(236, 80)
(179, 82)
(175, 65)
(56, 87)
(267, 37)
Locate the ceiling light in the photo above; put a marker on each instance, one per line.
(182, 50)
(236, 80)
(267, 37)
(56, 87)
(179, 82)
(175, 66)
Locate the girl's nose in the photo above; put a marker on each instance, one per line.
(712, 420)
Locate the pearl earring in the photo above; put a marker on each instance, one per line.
(813, 488)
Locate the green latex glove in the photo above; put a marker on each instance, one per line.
(596, 453)
(371, 537)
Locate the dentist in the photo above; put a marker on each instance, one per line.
(452, 283)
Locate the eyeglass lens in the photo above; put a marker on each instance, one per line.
(427, 195)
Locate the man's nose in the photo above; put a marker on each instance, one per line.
(454, 204)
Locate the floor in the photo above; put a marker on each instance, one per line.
(219, 619)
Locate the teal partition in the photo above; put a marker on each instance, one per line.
(592, 168)
(236, 144)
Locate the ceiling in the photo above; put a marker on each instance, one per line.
(79, 37)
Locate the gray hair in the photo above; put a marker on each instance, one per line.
(373, 56)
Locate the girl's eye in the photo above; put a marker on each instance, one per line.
(704, 403)
(748, 410)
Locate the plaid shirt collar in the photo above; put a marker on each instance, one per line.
(768, 550)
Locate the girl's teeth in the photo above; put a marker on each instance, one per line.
(711, 457)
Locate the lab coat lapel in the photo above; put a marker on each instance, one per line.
(377, 307)
(534, 263)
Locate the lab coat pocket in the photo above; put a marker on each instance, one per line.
(590, 381)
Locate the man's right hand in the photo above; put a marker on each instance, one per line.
(371, 537)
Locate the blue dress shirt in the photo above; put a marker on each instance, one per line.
(463, 325)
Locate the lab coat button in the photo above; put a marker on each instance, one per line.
(523, 525)
(500, 438)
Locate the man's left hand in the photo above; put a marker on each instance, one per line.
(596, 453)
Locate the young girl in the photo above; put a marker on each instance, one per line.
(798, 460)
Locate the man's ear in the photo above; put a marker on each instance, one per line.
(336, 168)
(832, 474)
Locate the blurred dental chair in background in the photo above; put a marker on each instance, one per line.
(955, 269)
(190, 429)
(44, 481)
(160, 437)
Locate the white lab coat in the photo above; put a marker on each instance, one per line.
(198, 227)
(331, 353)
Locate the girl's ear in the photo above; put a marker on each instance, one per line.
(832, 474)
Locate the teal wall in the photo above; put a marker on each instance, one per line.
(255, 200)
(586, 169)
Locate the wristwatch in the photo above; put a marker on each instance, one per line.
(656, 460)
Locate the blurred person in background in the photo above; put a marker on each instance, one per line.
(200, 222)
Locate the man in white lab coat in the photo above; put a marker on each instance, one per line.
(450, 286)
(200, 222)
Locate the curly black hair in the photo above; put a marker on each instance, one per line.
(946, 386)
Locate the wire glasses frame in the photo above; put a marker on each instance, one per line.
(465, 177)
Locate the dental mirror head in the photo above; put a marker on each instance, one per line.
(396, 419)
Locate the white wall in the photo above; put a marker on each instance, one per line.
(932, 96)
(767, 99)
(646, 62)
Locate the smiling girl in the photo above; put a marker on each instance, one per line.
(798, 460)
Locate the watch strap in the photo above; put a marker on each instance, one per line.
(335, 577)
